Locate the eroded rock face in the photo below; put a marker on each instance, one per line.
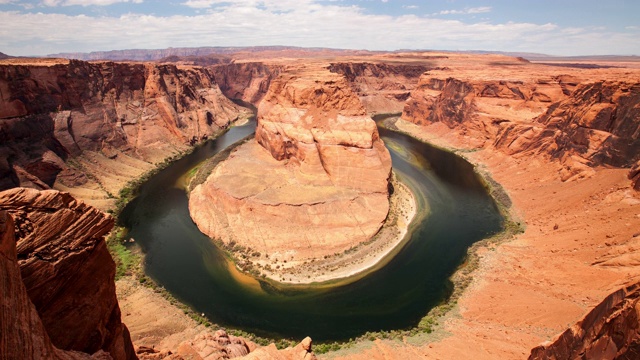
(382, 87)
(599, 124)
(610, 331)
(67, 270)
(315, 181)
(302, 351)
(219, 346)
(581, 124)
(246, 81)
(96, 114)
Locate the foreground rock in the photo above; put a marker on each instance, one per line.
(312, 184)
(610, 331)
(67, 273)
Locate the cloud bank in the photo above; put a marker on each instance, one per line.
(306, 23)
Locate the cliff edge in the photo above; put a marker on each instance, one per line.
(66, 272)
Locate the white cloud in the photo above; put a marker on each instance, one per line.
(87, 2)
(473, 10)
(199, 4)
(410, 6)
(297, 23)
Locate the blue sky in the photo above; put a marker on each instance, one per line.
(560, 27)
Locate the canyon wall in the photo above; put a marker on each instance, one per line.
(66, 273)
(313, 183)
(383, 87)
(248, 81)
(578, 121)
(610, 331)
(97, 125)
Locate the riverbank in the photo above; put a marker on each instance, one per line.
(576, 249)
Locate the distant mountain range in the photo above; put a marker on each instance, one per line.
(4, 56)
(222, 52)
(157, 54)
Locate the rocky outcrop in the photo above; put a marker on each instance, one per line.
(582, 125)
(599, 124)
(67, 272)
(382, 87)
(610, 331)
(315, 181)
(479, 105)
(206, 346)
(53, 112)
(302, 351)
(248, 82)
(634, 176)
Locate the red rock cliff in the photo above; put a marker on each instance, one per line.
(599, 124)
(586, 125)
(382, 87)
(67, 271)
(610, 331)
(51, 112)
(245, 81)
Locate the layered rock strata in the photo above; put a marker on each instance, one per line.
(94, 126)
(610, 331)
(581, 122)
(313, 183)
(67, 272)
(248, 81)
(383, 87)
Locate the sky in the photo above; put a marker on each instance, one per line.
(554, 27)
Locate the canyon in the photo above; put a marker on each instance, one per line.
(563, 141)
(315, 182)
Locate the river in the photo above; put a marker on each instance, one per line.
(187, 263)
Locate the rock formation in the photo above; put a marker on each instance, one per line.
(382, 87)
(577, 121)
(315, 181)
(599, 124)
(206, 346)
(248, 81)
(97, 125)
(610, 331)
(67, 272)
(302, 351)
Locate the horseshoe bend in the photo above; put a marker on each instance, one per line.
(314, 182)
(315, 196)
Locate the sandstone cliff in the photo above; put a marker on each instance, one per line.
(67, 273)
(610, 331)
(248, 81)
(598, 124)
(97, 125)
(315, 181)
(580, 122)
(382, 87)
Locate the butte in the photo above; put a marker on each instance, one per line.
(313, 183)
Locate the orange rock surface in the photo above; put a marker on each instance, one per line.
(67, 273)
(313, 183)
(114, 120)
